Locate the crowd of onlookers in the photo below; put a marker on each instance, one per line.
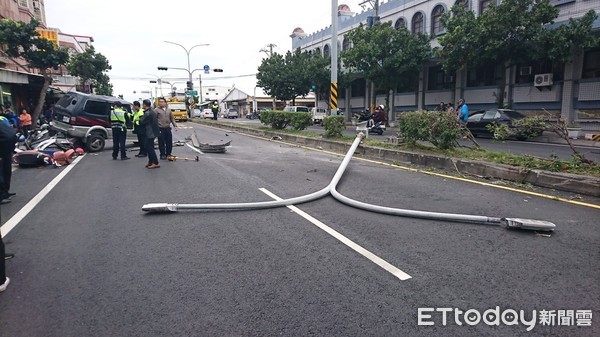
(21, 119)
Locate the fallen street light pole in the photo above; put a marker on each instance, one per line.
(510, 223)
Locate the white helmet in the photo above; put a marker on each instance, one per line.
(380, 106)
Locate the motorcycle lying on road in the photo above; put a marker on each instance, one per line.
(44, 139)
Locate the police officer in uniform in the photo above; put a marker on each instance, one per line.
(138, 129)
(118, 122)
(215, 109)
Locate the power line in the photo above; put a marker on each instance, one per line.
(118, 77)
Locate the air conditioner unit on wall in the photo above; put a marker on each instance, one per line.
(524, 71)
(542, 80)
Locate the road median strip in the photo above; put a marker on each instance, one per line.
(585, 185)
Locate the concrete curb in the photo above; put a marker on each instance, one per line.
(585, 185)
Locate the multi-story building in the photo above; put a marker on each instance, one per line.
(571, 89)
(20, 85)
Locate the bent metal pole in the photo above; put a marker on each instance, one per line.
(171, 207)
(331, 188)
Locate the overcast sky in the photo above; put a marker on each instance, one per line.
(130, 33)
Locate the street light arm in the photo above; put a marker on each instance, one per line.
(176, 69)
(187, 50)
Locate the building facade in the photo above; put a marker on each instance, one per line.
(20, 85)
(571, 90)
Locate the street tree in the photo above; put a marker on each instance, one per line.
(273, 77)
(510, 33)
(103, 86)
(91, 68)
(319, 73)
(384, 54)
(22, 41)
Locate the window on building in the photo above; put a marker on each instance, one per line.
(591, 64)
(400, 23)
(486, 75)
(408, 82)
(318, 51)
(438, 80)
(326, 51)
(417, 23)
(526, 73)
(346, 45)
(436, 17)
(23, 3)
(358, 87)
(484, 4)
(462, 2)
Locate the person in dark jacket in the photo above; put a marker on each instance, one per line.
(8, 138)
(150, 123)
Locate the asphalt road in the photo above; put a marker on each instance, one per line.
(89, 262)
(532, 148)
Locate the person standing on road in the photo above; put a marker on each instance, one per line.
(118, 122)
(8, 138)
(149, 121)
(4, 281)
(463, 115)
(165, 119)
(138, 129)
(25, 122)
(215, 109)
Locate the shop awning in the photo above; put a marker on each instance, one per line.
(13, 76)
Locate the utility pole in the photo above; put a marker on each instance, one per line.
(269, 51)
(334, 59)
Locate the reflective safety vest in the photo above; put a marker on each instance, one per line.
(117, 118)
(136, 118)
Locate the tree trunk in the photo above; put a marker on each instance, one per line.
(502, 87)
(387, 108)
(42, 99)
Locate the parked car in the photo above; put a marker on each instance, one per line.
(479, 121)
(86, 118)
(296, 108)
(318, 115)
(179, 110)
(231, 113)
(207, 113)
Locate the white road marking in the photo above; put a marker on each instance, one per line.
(14, 221)
(354, 246)
(195, 149)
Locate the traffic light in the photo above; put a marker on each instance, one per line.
(217, 70)
(163, 68)
(190, 85)
(173, 94)
(313, 87)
